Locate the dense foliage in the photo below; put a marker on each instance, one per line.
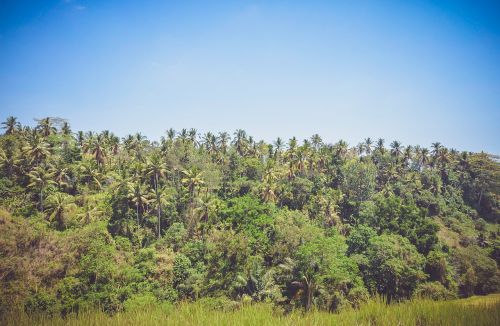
(91, 220)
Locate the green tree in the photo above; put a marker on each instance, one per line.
(394, 268)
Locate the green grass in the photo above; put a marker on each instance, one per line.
(471, 311)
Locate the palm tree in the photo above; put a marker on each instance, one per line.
(46, 126)
(90, 211)
(223, 140)
(206, 208)
(380, 145)
(368, 145)
(436, 147)
(156, 168)
(58, 205)
(61, 175)
(40, 178)
(66, 129)
(269, 184)
(8, 162)
(278, 147)
(10, 125)
(171, 134)
(90, 174)
(240, 140)
(36, 150)
(407, 155)
(443, 157)
(316, 141)
(192, 180)
(96, 147)
(341, 148)
(137, 193)
(396, 149)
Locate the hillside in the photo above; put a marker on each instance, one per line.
(92, 221)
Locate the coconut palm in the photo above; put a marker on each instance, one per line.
(61, 175)
(40, 179)
(138, 195)
(368, 145)
(8, 162)
(396, 149)
(192, 180)
(90, 212)
(316, 141)
(380, 145)
(240, 141)
(58, 205)
(171, 134)
(156, 169)
(269, 184)
(223, 140)
(66, 129)
(89, 173)
(46, 126)
(10, 125)
(96, 147)
(36, 150)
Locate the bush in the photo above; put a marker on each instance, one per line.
(435, 291)
(139, 301)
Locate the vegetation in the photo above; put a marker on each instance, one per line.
(473, 311)
(91, 221)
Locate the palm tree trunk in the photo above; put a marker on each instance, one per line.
(158, 204)
(137, 212)
(41, 200)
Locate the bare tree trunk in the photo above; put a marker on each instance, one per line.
(309, 296)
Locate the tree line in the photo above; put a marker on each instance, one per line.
(93, 220)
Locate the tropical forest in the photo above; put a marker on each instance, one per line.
(95, 227)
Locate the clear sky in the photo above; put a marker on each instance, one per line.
(416, 71)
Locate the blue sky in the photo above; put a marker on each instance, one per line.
(416, 71)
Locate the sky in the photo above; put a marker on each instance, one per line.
(415, 71)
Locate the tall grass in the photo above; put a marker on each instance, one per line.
(472, 311)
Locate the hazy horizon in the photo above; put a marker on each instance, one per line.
(418, 72)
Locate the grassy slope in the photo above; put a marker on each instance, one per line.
(471, 311)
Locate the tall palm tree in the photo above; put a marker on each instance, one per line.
(316, 141)
(96, 147)
(66, 129)
(10, 125)
(223, 140)
(240, 141)
(380, 146)
(269, 184)
(40, 179)
(61, 175)
(206, 207)
(192, 180)
(341, 148)
(156, 168)
(90, 174)
(46, 126)
(396, 149)
(58, 204)
(368, 145)
(436, 147)
(192, 136)
(8, 162)
(138, 195)
(36, 150)
(171, 134)
(90, 211)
